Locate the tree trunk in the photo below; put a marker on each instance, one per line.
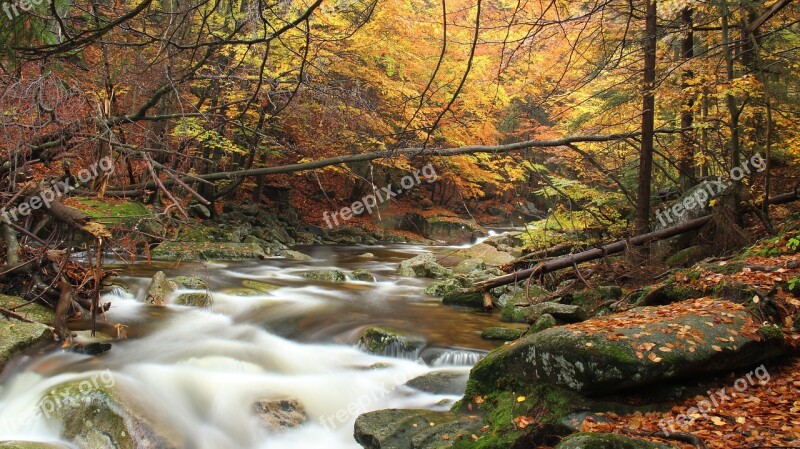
(686, 164)
(648, 122)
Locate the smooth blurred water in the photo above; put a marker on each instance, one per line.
(199, 371)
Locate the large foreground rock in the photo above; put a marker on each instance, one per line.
(105, 418)
(642, 346)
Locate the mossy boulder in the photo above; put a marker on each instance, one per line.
(184, 251)
(410, 429)
(440, 382)
(294, 255)
(259, 286)
(545, 321)
(33, 311)
(423, 266)
(608, 441)
(106, 417)
(191, 282)
(463, 297)
(325, 275)
(689, 256)
(202, 300)
(391, 342)
(469, 265)
(443, 287)
(563, 312)
(362, 275)
(643, 346)
(501, 333)
(514, 303)
(17, 336)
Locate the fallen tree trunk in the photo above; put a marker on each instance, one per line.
(614, 248)
(78, 219)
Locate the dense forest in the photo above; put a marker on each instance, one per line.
(591, 173)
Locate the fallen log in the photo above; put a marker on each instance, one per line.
(572, 260)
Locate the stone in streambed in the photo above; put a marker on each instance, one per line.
(564, 312)
(106, 417)
(487, 253)
(17, 336)
(325, 275)
(423, 266)
(411, 429)
(159, 290)
(191, 282)
(276, 415)
(387, 341)
(32, 311)
(545, 321)
(193, 251)
(259, 286)
(362, 275)
(440, 382)
(464, 298)
(30, 445)
(501, 333)
(201, 300)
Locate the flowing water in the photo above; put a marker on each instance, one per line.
(199, 371)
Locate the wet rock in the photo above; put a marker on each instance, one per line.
(608, 441)
(105, 417)
(276, 415)
(366, 256)
(185, 251)
(564, 312)
(643, 346)
(241, 292)
(191, 282)
(545, 321)
(17, 336)
(469, 265)
(200, 211)
(201, 300)
(259, 286)
(325, 275)
(487, 253)
(294, 255)
(451, 230)
(391, 342)
(440, 382)
(363, 275)
(410, 429)
(463, 297)
(30, 445)
(159, 290)
(423, 266)
(501, 333)
(33, 311)
(511, 302)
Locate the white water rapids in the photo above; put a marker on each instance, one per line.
(199, 371)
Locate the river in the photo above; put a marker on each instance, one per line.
(199, 371)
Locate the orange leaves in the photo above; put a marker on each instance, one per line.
(523, 421)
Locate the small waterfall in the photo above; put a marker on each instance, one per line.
(456, 357)
(395, 350)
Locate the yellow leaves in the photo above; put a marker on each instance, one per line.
(718, 421)
(653, 357)
(716, 348)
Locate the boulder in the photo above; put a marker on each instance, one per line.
(390, 342)
(276, 415)
(463, 297)
(410, 429)
(159, 290)
(294, 255)
(440, 382)
(362, 275)
(564, 312)
(17, 336)
(487, 253)
(423, 266)
(105, 417)
(511, 302)
(191, 282)
(200, 211)
(202, 300)
(608, 441)
(642, 346)
(467, 266)
(545, 321)
(450, 230)
(325, 275)
(186, 251)
(442, 288)
(501, 333)
(259, 286)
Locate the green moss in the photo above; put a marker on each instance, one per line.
(112, 212)
(771, 332)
